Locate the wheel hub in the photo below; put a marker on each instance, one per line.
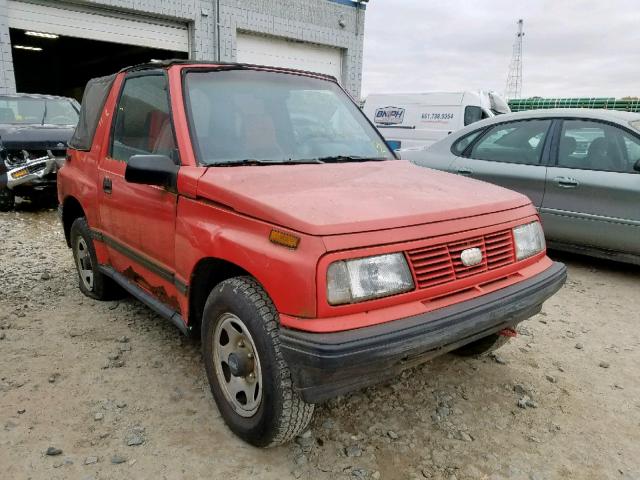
(237, 365)
(240, 364)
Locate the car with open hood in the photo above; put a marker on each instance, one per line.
(258, 208)
(34, 131)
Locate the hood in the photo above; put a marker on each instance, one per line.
(330, 199)
(37, 137)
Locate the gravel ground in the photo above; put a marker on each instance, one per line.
(109, 390)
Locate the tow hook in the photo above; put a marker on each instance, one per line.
(508, 332)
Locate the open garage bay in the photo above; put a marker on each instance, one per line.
(57, 47)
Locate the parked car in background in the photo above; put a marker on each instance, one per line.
(34, 131)
(258, 207)
(580, 168)
(417, 120)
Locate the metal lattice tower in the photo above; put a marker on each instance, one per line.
(514, 79)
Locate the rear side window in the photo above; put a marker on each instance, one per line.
(514, 142)
(591, 145)
(143, 120)
(95, 94)
(461, 145)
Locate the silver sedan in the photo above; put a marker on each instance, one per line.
(579, 167)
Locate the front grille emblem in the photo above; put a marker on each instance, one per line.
(471, 257)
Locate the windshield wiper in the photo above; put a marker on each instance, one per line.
(255, 161)
(298, 161)
(350, 158)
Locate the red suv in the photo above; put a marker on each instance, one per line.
(259, 207)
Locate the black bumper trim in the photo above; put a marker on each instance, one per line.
(324, 365)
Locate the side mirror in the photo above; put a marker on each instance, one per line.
(636, 167)
(152, 170)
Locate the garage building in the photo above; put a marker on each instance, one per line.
(54, 47)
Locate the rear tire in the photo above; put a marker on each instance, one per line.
(482, 346)
(93, 283)
(7, 200)
(250, 380)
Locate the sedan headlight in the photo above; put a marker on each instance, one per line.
(351, 281)
(529, 240)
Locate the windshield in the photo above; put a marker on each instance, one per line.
(40, 111)
(241, 116)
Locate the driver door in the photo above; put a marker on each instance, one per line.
(512, 155)
(138, 220)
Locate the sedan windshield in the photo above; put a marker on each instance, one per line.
(37, 111)
(255, 118)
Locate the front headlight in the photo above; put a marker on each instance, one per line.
(529, 240)
(351, 281)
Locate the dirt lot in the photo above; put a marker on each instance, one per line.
(123, 395)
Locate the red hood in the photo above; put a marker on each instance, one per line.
(329, 199)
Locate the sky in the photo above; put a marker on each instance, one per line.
(586, 48)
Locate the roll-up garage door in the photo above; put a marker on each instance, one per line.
(97, 24)
(279, 52)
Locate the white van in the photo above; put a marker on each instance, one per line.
(416, 120)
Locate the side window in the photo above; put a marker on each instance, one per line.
(513, 142)
(461, 145)
(472, 114)
(590, 145)
(632, 150)
(143, 122)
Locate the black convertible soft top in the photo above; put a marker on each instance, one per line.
(95, 94)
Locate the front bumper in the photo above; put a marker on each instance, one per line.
(324, 365)
(31, 172)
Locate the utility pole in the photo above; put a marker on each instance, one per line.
(514, 78)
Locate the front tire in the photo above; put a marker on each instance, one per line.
(93, 283)
(250, 380)
(7, 200)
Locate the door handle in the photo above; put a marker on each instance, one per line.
(566, 182)
(465, 171)
(106, 185)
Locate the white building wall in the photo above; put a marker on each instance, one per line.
(315, 21)
(7, 79)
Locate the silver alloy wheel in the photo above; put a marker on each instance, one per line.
(83, 262)
(237, 365)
